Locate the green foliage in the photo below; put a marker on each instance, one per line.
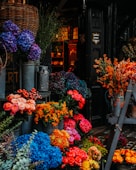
(48, 28)
(7, 123)
(86, 144)
(22, 160)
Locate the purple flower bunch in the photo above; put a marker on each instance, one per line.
(13, 39)
(34, 53)
(25, 40)
(9, 26)
(9, 41)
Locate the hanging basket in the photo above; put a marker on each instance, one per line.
(24, 15)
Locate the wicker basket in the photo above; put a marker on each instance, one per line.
(25, 16)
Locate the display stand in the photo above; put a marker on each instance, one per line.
(122, 119)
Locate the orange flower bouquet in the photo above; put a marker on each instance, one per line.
(60, 138)
(115, 75)
(51, 112)
(124, 155)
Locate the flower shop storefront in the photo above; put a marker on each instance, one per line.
(50, 92)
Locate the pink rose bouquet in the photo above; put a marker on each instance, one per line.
(22, 102)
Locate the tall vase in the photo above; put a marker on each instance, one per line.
(26, 127)
(43, 78)
(28, 75)
(2, 83)
(49, 128)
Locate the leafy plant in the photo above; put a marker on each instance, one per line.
(48, 28)
(7, 123)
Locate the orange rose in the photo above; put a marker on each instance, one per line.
(7, 106)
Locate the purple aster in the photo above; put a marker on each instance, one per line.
(9, 40)
(9, 26)
(34, 53)
(25, 40)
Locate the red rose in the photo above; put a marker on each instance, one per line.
(7, 106)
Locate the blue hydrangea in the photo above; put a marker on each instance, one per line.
(9, 26)
(35, 52)
(9, 40)
(41, 150)
(25, 40)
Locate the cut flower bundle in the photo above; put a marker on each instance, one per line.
(115, 75)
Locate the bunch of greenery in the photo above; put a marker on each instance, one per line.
(7, 123)
(49, 25)
(19, 161)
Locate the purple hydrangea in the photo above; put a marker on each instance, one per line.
(34, 53)
(25, 40)
(9, 26)
(9, 40)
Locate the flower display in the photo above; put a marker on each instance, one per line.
(69, 122)
(115, 76)
(60, 138)
(74, 135)
(89, 164)
(86, 144)
(22, 42)
(61, 82)
(34, 53)
(25, 40)
(74, 157)
(77, 97)
(9, 26)
(95, 140)
(78, 117)
(124, 155)
(78, 122)
(9, 41)
(32, 94)
(94, 153)
(22, 102)
(51, 112)
(41, 151)
(85, 125)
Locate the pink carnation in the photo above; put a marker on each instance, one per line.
(85, 125)
(69, 123)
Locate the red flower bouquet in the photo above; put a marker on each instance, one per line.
(77, 97)
(74, 157)
(74, 100)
